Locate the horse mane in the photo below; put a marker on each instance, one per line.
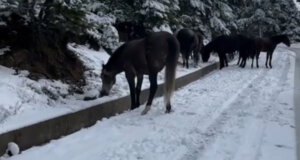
(210, 46)
(115, 56)
(278, 38)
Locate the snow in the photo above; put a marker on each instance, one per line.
(230, 114)
(295, 45)
(197, 4)
(110, 37)
(297, 4)
(3, 50)
(25, 102)
(156, 7)
(217, 23)
(12, 149)
(164, 27)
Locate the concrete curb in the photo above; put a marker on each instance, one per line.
(297, 98)
(42, 132)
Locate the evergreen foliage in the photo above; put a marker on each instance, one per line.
(37, 25)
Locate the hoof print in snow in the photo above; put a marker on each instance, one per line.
(89, 98)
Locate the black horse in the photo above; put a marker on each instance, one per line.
(246, 48)
(147, 56)
(268, 44)
(190, 41)
(225, 44)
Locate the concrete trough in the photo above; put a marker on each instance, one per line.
(42, 132)
(297, 98)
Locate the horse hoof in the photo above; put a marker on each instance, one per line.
(145, 111)
(168, 111)
(133, 107)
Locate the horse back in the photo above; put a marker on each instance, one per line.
(150, 53)
(158, 46)
(225, 44)
(264, 44)
(134, 57)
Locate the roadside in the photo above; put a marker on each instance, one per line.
(296, 49)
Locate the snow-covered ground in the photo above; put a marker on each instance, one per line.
(295, 45)
(232, 114)
(24, 101)
(297, 4)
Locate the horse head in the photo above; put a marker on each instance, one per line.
(286, 40)
(108, 80)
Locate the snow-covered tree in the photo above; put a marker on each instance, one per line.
(158, 14)
(41, 29)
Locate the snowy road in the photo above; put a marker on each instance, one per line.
(231, 114)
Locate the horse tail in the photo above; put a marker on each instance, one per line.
(170, 72)
(198, 47)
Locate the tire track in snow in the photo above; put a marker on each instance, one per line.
(220, 117)
(239, 116)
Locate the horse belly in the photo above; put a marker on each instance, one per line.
(140, 65)
(157, 61)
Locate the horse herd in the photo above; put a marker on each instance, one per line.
(149, 55)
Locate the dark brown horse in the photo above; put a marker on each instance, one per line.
(140, 57)
(190, 41)
(268, 44)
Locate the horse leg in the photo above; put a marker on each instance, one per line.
(257, 57)
(239, 60)
(267, 58)
(187, 60)
(130, 79)
(226, 61)
(153, 87)
(221, 59)
(196, 56)
(138, 89)
(270, 59)
(252, 62)
(183, 60)
(244, 62)
(243, 59)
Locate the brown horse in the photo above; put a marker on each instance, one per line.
(268, 44)
(146, 56)
(190, 41)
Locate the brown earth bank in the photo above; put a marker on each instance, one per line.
(41, 51)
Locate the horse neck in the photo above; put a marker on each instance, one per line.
(277, 39)
(210, 47)
(114, 68)
(115, 63)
